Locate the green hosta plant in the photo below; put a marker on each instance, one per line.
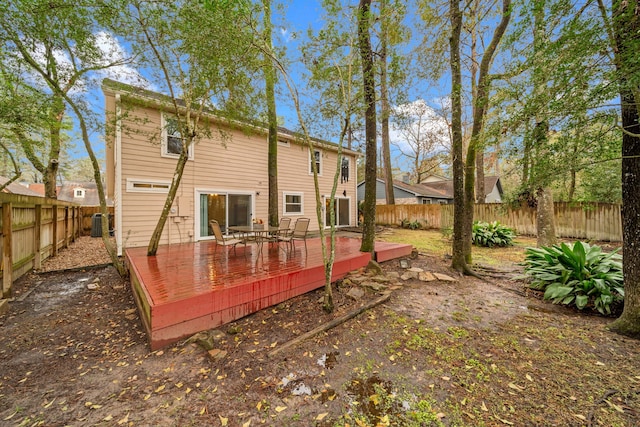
(491, 234)
(577, 274)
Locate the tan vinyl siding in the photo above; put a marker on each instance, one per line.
(235, 162)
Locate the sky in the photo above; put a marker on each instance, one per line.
(299, 17)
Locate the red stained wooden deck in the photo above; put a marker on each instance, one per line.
(192, 287)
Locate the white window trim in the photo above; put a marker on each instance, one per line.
(163, 141)
(284, 203)
(78, 192)
(311, 156)
(196, 194)
(157, 186)
(336, 198)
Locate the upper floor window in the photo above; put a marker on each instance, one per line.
(78, 192)
(172, 138)
(317, 159)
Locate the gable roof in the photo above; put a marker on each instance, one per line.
(441, 189)
(417, 190)
(420, 189)
(67, 192)
(15, 188)
(165, 101)
(446, 186)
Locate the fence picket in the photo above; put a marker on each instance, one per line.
(591, 221)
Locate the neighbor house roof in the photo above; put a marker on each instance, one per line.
(420, 189)
(87, 194)
(15, 188)
(446, 186)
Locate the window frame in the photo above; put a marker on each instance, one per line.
(164, 135)
(318, 162)
(78, 192)
(155, 185)
(285, 211)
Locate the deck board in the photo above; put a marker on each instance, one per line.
(186, 288)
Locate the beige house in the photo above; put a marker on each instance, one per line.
(225, 177)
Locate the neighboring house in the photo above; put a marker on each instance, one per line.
(407, 194)
(433, 189)
(16, 188)
(82, 193)
(225, 178)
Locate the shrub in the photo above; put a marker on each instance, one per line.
(578, 274)
(491, 234)
(411, 225)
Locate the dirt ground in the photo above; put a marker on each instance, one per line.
(462, 353)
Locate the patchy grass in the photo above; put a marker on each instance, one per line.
(463, 353)
(433, 242)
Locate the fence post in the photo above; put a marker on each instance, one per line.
(37, 261)
(66, 226)
(7, 250)
(54, 229)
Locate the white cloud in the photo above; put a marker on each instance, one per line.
(114, 52)
(419, 122)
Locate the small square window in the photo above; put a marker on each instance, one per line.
(78, 192)
(293, 204)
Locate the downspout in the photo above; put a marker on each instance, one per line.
(117, 195)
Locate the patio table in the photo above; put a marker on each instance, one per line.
(261, 232)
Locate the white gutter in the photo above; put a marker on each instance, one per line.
(117, 194)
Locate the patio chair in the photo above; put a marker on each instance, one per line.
(299, 232)
(283, 230)
(221, 240)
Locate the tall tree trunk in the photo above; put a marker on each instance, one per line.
(545, 219)
(55, 129)
(368, 76)
(152, 249)
(49, 170)
(272, 118)
(481, 194)
(458, 260)
(384, 101)
(480, 103)
(626, 23)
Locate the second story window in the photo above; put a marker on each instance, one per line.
(172, 138)
(317, 159)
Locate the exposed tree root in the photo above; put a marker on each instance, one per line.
(604, 397)
(329, 325)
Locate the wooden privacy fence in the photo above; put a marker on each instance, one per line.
(591, 221)
(33, 229)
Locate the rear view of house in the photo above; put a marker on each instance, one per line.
(225, 178)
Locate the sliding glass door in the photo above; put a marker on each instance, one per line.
(229, 209)
(342, 209)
